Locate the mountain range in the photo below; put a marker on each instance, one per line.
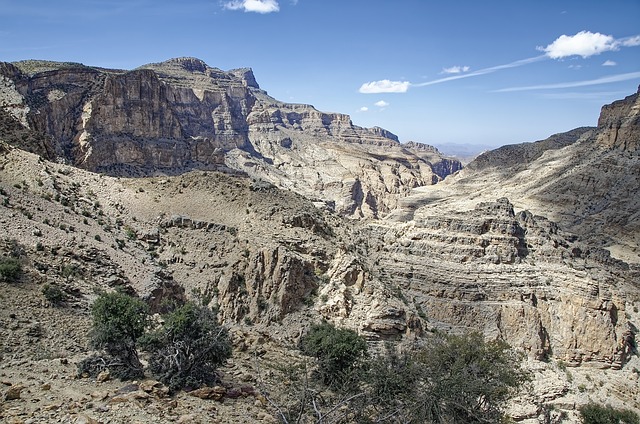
(177, 178)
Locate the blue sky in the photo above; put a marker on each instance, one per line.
(483, 72)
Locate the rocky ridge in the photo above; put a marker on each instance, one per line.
(181, 115)
(482, 250)
(586, 180)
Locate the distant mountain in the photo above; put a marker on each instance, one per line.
(180, 115)
(587, 180)
(465, 152)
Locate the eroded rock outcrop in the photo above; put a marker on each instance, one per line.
(513, 276)
(180, 115)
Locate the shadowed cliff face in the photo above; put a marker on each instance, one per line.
(181, 115)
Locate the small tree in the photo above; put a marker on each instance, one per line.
(188, 348)
(338, 350)
(119, 321)
(466, 379)
(10, 269)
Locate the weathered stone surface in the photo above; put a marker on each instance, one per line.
(13, 392)
(180, 115)
(214, 393)
(516, 277)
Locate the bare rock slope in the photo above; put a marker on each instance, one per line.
(532, 244)
(181, 115)
(586, 180)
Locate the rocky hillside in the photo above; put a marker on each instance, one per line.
(180, 115)
(532, 244)
(586, 180)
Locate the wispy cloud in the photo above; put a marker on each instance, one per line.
(363, 109)
(586, 44)
(258, 6)
(573, 84)
(384, 86)
(483, 71)
(381, 103)
(455, 70)
(632, 41)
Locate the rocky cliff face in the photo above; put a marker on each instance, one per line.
(515, 251)
(180, 115)
(586, 180)
(513, 276)
(619, 123)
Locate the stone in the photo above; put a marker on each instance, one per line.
(13, 392)
(85, 419)
(215, 393)
(103, 376)
(187, 418)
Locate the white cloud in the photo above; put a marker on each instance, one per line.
(609, 63)
(381, 103)
(597, 81)
(384, 86)
(630, 41)
(455, 70)
(258, 6)
(584, 43)
(363, 109)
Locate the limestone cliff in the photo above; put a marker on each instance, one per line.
(180, 115)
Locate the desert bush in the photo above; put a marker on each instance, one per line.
(593, 413)
(119, 320)
(465, 379)
(10, 269)
(188, 348)
(53, 294)
(450, 379)
(338, 351)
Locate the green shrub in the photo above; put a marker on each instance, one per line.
(53, 294)
(188, 348)
(10, 269)
(466, 379)
(130, 233)
(593, 413)
(337, 350)
(119, 321)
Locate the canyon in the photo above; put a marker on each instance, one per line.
(178, 179)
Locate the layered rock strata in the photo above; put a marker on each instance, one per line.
(181, 115)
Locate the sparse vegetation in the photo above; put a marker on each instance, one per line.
(53, 294)
(455, 379)
(130, 233)
(119, 321)
(337, 350)
(10, 269)
(188, 348)
(593, 413)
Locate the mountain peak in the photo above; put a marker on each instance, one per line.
(191, 64)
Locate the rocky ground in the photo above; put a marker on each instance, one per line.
(177, 237)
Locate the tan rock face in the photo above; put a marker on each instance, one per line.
(619, 123)
(511, 276)
(180, 115)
